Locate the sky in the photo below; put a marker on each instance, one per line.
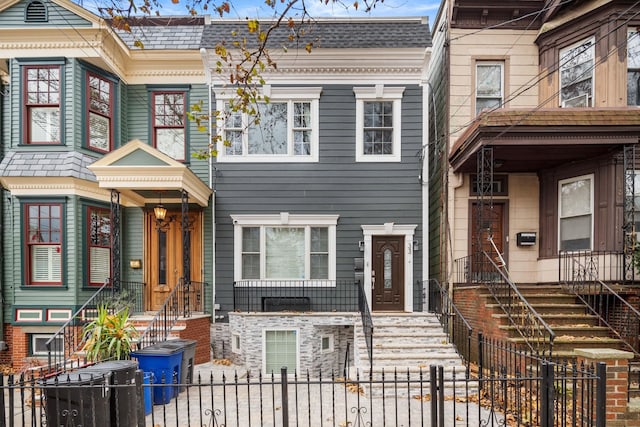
(316, 8)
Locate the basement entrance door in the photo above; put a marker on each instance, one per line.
(163, 259)
(387, 273)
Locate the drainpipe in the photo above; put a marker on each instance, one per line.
(4, 96)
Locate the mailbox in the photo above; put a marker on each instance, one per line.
(358, 270)
(526, 238)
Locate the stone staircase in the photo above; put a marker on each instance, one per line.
(571, 321)
(404, 346)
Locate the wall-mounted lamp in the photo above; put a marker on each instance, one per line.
(361, 245)
(135, 264)
(416, 245)
(160, 212)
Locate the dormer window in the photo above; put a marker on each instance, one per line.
(36, 11)
(576, 74)
(633, 67)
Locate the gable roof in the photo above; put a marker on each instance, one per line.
(66, 4)
(337, 33)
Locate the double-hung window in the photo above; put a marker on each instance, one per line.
(43, 243)
(577, 70)
(633, 67)
(100, 113)
(284, 129)
(378, 119)
(576, 213)
(42, 93)
(99, 245)
(285, 247)
(169, 123)
(489, 85)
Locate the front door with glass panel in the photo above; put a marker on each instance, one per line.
(163, 260)
(387, 273)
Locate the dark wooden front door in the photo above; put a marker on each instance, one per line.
(387, 273)
(490, 229)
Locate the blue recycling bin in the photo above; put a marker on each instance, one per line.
(147, 379)
(164, 363)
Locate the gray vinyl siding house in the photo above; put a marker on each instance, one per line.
(338, 181)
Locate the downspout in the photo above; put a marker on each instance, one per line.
(424, 182)
(3, 143)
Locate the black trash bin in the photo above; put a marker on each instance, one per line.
(188, 356)
(78, 399)
(124, 400)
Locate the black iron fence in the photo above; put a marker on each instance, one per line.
(296, 295)
(585, 273)
(453, 322)
(548, 395)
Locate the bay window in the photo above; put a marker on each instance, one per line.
(43, 243)
(577, 68)
(42, 95)
(285, 247)
(98, 245)
(100, 113)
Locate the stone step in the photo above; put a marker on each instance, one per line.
(559, 319)
(387, 349)
(550, 308)
(569, 330)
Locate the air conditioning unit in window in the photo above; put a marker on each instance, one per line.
(578, 101)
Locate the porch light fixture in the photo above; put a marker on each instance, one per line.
(160, 212)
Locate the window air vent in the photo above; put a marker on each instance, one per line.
(36, 11)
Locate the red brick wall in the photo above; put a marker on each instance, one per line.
(198, 329)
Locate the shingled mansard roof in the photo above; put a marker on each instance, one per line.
(391, 33)
(49, 164)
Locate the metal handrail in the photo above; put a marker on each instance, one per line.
(522, 316)
(367, 325)
(583, 280)
(454, 324)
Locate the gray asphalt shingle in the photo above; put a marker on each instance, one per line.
(68, 163)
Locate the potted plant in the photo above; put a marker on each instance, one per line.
(110, 336)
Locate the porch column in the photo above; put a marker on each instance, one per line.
(115, 239)
(186, 239)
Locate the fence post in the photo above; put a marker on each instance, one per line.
(480, 355)
(285, 397)
(441, 395)
(601, 395)
(547, 390)
(434, 395)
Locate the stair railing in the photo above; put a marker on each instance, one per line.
(537, 334)
(367, 324)
(63, 347)
(580, 274)
(183, 299)
(453, 323)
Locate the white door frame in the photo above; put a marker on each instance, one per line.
(391, 229)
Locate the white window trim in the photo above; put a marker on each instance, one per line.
(390, 229)
(379, 93)
(630, 32)
(264, 349)
(286, 220)
(45, 337)
(331, 347)
(501, 65)
(591, 196)
(276, 94)
(592, 101)
(236, 346)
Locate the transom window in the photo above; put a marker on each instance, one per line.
(280, 351)
(633, 67)
(99, 245)
(489, 85)
(169, 131)
(44, 243)
(42, 104)
(285, 247)
(378, 118)
(285, 129)
(576, 213)
(100, 111)
(577, 69)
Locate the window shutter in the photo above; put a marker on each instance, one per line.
(100, 264)
(46, 263)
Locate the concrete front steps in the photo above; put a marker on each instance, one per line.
(404, 346)
(571, 321)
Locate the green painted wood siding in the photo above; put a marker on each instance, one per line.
(58, 16)
(361, 193)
